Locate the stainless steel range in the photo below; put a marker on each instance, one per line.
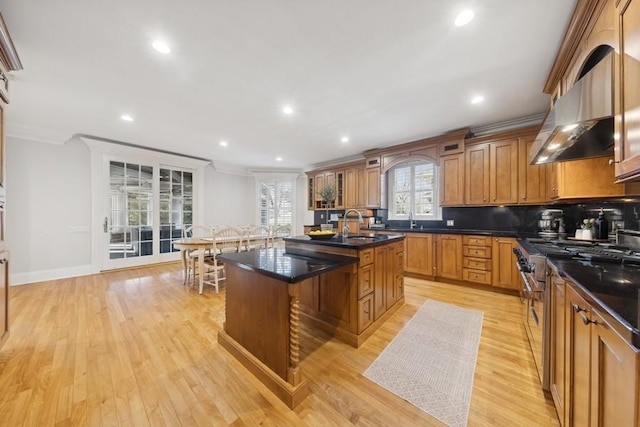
(535, 297)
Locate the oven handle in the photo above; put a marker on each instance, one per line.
(527, 291)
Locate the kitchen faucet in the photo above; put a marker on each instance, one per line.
(412, 223)
(345, 229)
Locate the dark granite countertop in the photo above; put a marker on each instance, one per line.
(357, 241)
(276, 263)
(610, 288)
(494, 233)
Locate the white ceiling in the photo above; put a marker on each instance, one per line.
(382, 72)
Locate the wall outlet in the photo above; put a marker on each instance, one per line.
(449, 223)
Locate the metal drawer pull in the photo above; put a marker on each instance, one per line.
(586, 320)
(576, 308)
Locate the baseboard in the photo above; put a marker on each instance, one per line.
(42, 275)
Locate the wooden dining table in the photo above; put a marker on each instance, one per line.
(188, 244)
(201, 244)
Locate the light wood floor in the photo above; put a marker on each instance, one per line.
(137, 348)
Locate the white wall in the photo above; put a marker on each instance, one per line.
(229, 198)
(48, 210)
(48, 193)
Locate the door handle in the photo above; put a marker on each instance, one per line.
(105, 225)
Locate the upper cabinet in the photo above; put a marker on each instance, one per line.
(497, 171)
(476, 174)
(627, 90)
(532, 179)
(372, 183)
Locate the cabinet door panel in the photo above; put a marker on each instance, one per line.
(614, 388)
(627, 121)
(477, 174)
(503, 169)
(449, 256)
(419, 253)
(532, 179)
(452, 180)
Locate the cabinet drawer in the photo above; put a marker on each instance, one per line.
(365, 280)
(476, 240)
(365, 312)
(477, 251)
(477, 263)
(366, 257)
(476, 276)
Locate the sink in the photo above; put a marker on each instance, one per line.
(358, 237)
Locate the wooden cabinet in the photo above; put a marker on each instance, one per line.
(614, 376)
(372, 187)
(452, 180)
(532, 179)
(353, 224)
(476, 259)
(601, 368)
(449, 256)
(503, 172)
(592, 178)
(552, 180)
(504, 271)
(351, 188)
(491, 173)
(311, 198)
(340, 190)
(578, 359)
(476, 174)
(627, 89)
(388, 277)
(557, 352)
(419, 254)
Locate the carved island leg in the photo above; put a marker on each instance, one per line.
(293, 372)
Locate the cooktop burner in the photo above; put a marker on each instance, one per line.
(589, 251)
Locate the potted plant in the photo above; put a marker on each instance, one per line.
(328, 195)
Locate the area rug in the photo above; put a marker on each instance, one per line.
(431, 362)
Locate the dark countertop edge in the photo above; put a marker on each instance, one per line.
(587, 295)
(496, 233)
(337, 240)
(596, 303)
(333, 262)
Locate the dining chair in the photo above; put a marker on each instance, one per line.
(257, 237)
(225, 240)
(279, 232)
(192, 256)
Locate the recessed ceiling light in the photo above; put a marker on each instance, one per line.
(287, 109)
(464, 18)
(344, 139)
(161, 46)
(223, 143)
(477, 99)
(126, 118)
(278, 159)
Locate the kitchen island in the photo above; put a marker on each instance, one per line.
(326, 284)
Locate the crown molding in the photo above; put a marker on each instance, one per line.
(33, 134)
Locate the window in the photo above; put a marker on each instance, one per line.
(413, 189)
(276, 202)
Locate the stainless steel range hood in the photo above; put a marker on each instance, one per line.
(580, 124)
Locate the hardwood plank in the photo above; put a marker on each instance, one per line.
(136, 347)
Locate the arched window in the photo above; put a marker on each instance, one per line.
(413, 189)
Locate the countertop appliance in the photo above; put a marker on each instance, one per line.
(536, 299)
(551, 224)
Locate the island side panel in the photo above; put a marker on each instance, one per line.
(257, 316)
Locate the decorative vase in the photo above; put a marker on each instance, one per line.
(586, 234)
